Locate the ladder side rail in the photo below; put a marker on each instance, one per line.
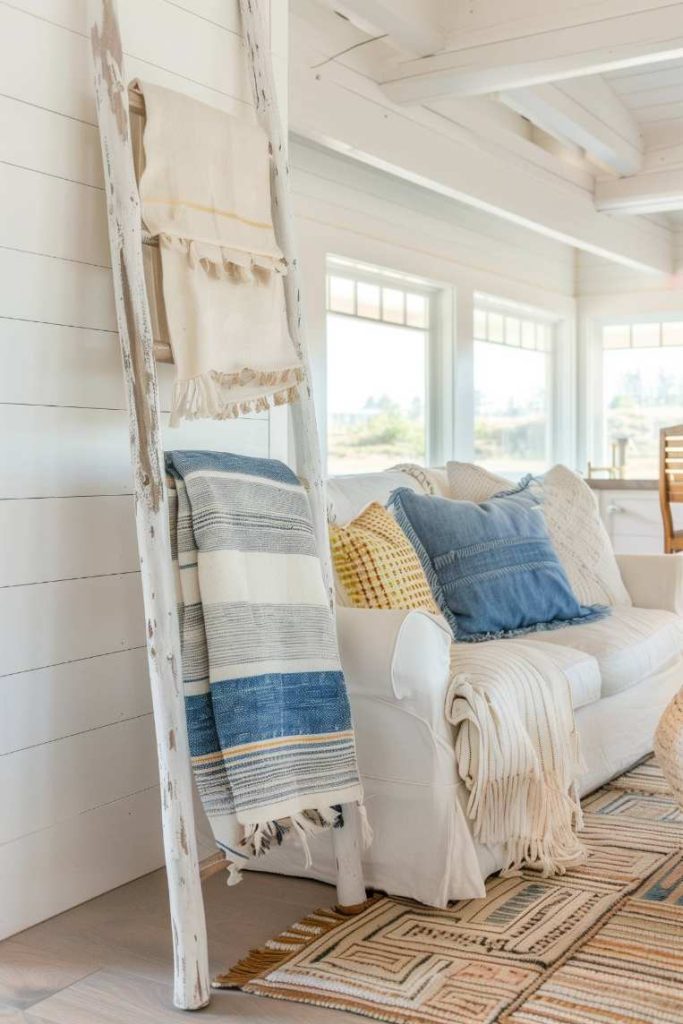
(347, 840)
(191, 968)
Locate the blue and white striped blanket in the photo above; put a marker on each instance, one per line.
(268, 716)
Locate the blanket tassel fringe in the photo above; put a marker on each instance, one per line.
(259, 838)
(536, 819)
(204, 397)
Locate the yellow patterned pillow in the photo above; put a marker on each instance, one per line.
(376, 564)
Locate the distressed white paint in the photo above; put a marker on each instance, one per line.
(190, 953)
(347, 840)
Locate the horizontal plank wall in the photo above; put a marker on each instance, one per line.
(77, 753)
(334, 193)
(348, 209)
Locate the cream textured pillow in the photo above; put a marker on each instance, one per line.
(467, 482)
(574, 524)
(580, 538)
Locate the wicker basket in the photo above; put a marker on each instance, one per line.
(669, 745)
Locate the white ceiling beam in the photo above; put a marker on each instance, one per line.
(655, 192)
(347, 113)
(410, 24)
(621, 41)
(586, 112)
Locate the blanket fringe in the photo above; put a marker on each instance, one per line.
(365, 827)
(535, 819)
(212, 395)
(219, 261)
(259, 838)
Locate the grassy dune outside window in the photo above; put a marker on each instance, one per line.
(513, 365)
(378, 330)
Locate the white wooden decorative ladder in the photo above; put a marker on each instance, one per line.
(191, 988)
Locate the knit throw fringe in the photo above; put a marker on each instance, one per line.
(517, 751)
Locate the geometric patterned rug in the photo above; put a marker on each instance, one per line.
(603, 943)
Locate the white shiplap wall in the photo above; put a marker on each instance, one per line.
(78, 776)
(335, 194)
(596, 277)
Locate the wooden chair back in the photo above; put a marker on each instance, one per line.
(671, 483)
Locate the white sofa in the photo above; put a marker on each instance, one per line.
(622, 670)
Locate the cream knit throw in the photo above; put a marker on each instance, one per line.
(205, 192)
(517, 751)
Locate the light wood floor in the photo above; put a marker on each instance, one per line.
(109, 960)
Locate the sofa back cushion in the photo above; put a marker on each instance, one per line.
(376, 566)
(491, 566)
(576, 530)
(347, 496)
(469, 482)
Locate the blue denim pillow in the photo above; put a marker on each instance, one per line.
(491, 566)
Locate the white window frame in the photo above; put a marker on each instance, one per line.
(592, 417)
(561, 373)
(438, 357)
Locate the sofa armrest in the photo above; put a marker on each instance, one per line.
(396, 656)
(396, 665)
(654, 581)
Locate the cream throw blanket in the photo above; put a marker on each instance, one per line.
(205, 192)
(517, 751)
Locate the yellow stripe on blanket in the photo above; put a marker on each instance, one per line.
(208, 209)
(281, 741)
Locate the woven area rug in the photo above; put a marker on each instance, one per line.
(600, 945)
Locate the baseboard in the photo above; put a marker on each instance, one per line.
(212, 865)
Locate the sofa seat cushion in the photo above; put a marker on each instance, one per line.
(582, 672)
(629, 646)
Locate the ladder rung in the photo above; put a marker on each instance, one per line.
(162, 352)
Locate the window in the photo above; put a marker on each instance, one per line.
(377, 370)
(513, 357)
(642, 390)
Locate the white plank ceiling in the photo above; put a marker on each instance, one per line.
(563, 116)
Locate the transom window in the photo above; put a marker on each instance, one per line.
(377, 369)
(373, 301)
(642, 390)
(513, 357)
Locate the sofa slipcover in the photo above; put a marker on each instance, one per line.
(629, 645)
